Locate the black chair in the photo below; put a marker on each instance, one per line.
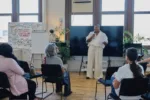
(107, 80)
(4, 84)
(51, 74)
(24, 65)
(133, 87)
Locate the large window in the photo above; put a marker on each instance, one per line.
(5, 18)
(113, 20)
(28, 10)
(142, 19)
(81, 20)
(113, 12)
(113, 5)
(141, 5)
(6, 6)
(18, 10)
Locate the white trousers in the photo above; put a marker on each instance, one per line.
(95, 57)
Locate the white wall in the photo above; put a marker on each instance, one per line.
(55, 12)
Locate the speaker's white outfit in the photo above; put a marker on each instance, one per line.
(95, 54)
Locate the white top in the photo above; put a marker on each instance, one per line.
(97, 40)
(123, 73)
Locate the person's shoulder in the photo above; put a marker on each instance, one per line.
(10, 61)
(124, 67)
(56, 57)
(103, 33)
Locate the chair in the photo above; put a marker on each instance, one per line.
(133, 87)
(51, 74)
(24, 65)
(107, 80)
(4, 84)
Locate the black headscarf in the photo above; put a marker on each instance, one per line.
(7, 51)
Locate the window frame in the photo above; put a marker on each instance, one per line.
(82, 14)
(15, 12)
(139, 12)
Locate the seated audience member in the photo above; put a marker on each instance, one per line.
(147, 60)
(19, 86)
(129, 70)
(52, 58)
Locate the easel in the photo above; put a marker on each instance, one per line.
(81, 64)
(32, 58)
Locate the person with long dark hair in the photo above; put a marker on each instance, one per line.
(19, 86)
(129, 70)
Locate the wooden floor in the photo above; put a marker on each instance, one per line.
(82, 89)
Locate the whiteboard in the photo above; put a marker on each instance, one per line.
(39, 42)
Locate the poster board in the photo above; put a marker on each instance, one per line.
(20, 36)
(39, 42)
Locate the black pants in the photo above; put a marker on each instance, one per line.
(30, 93)
(66, 83)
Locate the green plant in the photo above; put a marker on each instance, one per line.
(61, 32)
(64, 51)
(129, 38)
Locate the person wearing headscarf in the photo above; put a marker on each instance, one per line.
(52, 58)
(19, 86)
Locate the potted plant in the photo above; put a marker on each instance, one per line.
(60, 33)
(64, 51)
(129, 40)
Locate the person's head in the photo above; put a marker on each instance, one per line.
(131, 57)
(96, 28)
(51, 50)
(5, 49)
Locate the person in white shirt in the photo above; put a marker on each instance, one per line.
(129, 70)
(147, 60)
(96, 40)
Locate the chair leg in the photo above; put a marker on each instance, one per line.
(46, 86)
(53, 88)
(105, 93)
(61, 94)
(36, 82)
(96, 90)
(42, 88)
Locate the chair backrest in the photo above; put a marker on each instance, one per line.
(110, 71)
(24, 65)
(134, 87)
(4, 82)
(144, 65)
(49, 70)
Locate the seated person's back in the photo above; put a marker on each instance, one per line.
(130, 70)
(52, 58)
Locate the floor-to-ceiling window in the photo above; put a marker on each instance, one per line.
(18, 11)
(142, 19)
(113, 12)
